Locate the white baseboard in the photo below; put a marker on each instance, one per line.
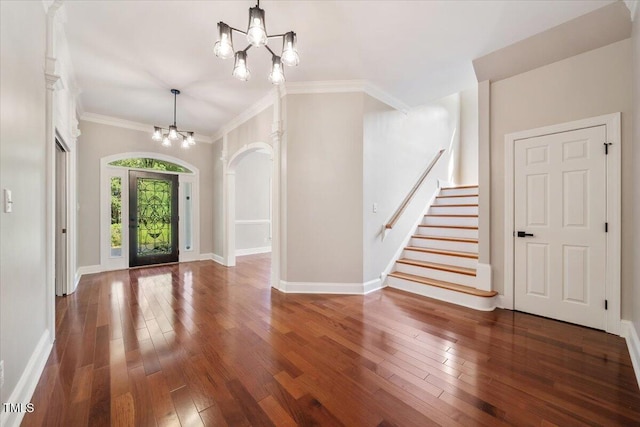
(373, 285)
(216, 258)
(89, 269)
(253, 251)
(28, 381)
(629, 333)
(330, 288)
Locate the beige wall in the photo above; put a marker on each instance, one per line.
(636, 171)
(324, 188)
(23, 293)
(590, 84)
(256, 129)
(99, 140)
(397, 149)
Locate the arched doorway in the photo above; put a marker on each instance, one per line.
(116, 173)
(231, 220)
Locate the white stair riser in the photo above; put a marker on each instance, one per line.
(455, 261)
(450, 220)
(473, 191)
(445, 244)
(469, 200)
(472, 301)
(431, 273)
(448, 232)
(453, 210)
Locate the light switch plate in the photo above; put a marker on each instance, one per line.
(8, 202)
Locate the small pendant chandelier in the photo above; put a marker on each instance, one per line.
(172, 133)
(256, 36)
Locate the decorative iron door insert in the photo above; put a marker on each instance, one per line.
(153, 222)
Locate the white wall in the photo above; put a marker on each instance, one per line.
(636, 171)
(397, 149)
(23, 294)
(468, 153)
(100, 140)
(324, 188)
(253, 186)
(586, 85)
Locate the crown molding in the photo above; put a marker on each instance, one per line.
(255, 109)
(345, 86)
(127, 124)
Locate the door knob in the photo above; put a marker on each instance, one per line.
(523, 234)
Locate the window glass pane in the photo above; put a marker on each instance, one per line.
(116, 216)
(145, 163)
(188, 221)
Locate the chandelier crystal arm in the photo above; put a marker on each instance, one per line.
(237, 30)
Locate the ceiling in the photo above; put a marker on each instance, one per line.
(127, 55)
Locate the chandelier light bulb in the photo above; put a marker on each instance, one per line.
(173, 132)
(223, 48)
(166, 142)
(185, 143)
(289, 50)
(277, 73)
(240, 70)
(157, 134)
(190, 139)
(257, 31)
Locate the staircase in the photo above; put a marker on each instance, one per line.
(441, 259)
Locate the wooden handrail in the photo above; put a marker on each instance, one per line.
(407, 199)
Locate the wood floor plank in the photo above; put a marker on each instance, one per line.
(196, 344)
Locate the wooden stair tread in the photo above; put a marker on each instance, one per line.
(466, 227)
(457, 195)
(442, 252)
(448, 239)
(458, 187)
(445, 285)
(453, 215)
(441, 267)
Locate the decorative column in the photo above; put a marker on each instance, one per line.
(52, 80)
(278, 203)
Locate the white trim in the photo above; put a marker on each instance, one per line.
(253, 251)
(632, 5)
(217, 258)
(128, 124)
(630, 334)
(252, 221)
(28, 381)
(613, 237)
(441, 294)
(89, 269)
(345, 86)
(229, 191)
(255, 109)
(330, 288)
(484, 277)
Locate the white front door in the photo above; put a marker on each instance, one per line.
(560, 207)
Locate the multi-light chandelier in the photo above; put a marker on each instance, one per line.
(257, 36)
(172, 133)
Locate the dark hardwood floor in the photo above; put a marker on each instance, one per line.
(200, 344)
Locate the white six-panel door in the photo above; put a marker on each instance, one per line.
(560, 198)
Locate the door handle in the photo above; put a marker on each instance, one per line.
(523, 234)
